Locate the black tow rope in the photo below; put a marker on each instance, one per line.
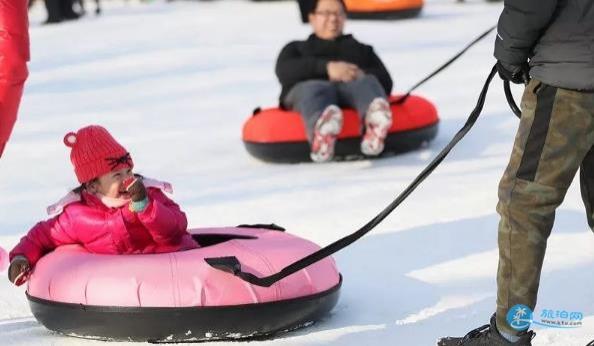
(510, 99)
(442, 67)
(232, 265)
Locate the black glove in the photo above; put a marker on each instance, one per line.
(517, 74)
(17, 272)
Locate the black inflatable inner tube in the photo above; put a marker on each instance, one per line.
(164, 324)
(293, 152)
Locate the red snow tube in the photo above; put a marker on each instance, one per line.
(276, 135)
(14, 54)
(383, 9)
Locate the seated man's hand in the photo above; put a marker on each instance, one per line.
(18, 270)
(340, 71)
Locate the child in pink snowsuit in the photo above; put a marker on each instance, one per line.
(112, 212)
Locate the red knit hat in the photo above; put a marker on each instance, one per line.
(95, 153)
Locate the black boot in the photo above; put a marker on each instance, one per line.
(67, 11)
(487, 335)
(54, 13)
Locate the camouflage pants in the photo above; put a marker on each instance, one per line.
(554, 139)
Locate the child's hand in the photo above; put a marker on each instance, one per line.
(136, 189)
(18, 271)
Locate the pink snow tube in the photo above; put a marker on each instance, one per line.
(14, 54)
(178, 296)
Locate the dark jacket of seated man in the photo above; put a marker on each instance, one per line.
(299, 61)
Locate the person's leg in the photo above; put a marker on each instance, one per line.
(368, 97)
(587, 186)
(317, 103)
(556, 132)
(66, 6)
(359, 93)
(310, 98)
(54, 12)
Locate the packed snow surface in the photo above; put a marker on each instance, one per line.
(174, 82)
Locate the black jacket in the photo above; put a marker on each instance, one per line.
(557, 36)
(304, 60)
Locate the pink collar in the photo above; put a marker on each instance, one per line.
(73, 197)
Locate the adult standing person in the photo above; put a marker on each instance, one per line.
(553, 42)
(14, 54)
(330, 70)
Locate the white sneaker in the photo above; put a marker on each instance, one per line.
(326, 131)
(378, 122)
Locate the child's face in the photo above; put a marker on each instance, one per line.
(111, 184)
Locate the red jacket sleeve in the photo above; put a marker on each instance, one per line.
(44, 237)
(14, 54)
(163, 218)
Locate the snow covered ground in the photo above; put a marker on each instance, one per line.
(175, 81)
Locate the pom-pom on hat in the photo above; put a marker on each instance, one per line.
(95, 153)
